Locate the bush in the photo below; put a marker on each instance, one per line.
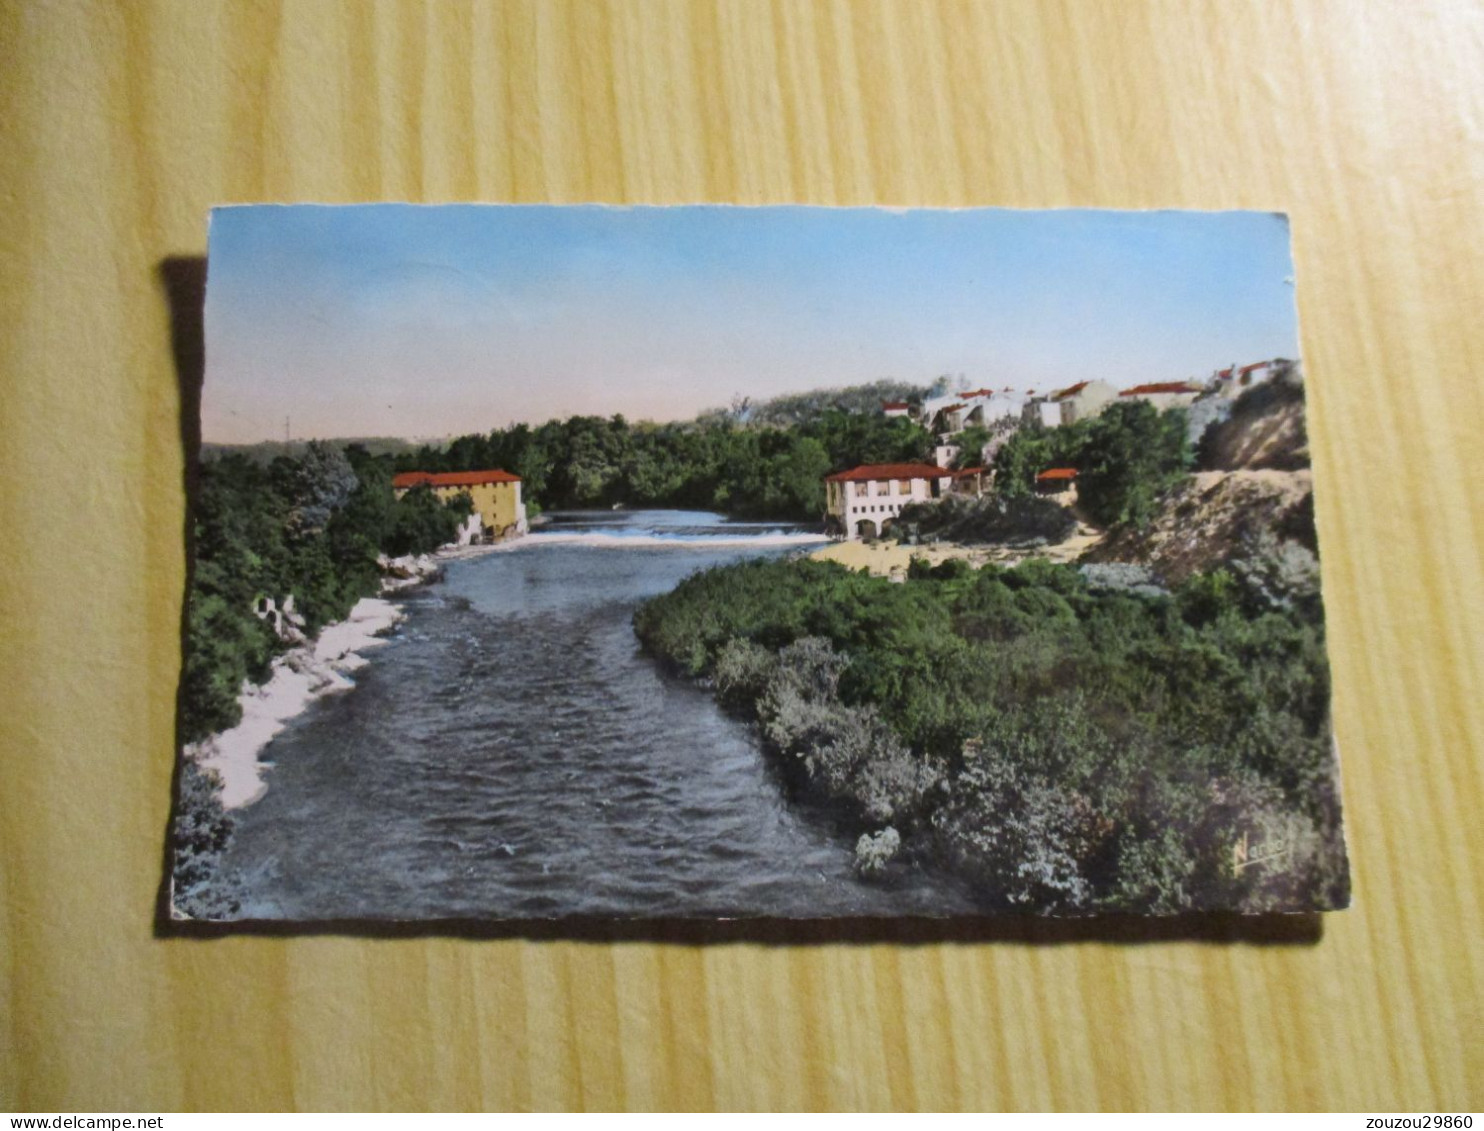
(873, 852)
(1121, 577)
(421, 522)
(742, 673)
(847, 752)
(200, 833)
(990, 519)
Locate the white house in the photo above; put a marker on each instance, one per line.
(1042, 411)
(1083, 400)
(954, 412)
(864, 501)
(896, 408)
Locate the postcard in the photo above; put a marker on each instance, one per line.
(779, 562)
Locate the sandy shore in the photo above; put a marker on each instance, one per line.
(308, 671)
(301, 675)
(885, 559)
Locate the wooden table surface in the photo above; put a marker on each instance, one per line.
(121, 123)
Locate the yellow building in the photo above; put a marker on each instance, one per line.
(496, 496)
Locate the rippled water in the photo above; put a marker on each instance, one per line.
(512, 754)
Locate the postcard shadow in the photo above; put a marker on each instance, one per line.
(183, 279)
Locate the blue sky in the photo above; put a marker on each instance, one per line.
(424, 321)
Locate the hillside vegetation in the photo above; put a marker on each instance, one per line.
(1250, 504)
(800, 408)
(266, 451)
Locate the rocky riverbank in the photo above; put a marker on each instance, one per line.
(308, 670)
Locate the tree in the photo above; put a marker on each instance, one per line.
(971, 442)
(317, 484)
(1032, 450)
(422, 522)
(1133, 454)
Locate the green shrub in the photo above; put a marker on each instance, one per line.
(226, 646)
(200, 833)
(991, 519)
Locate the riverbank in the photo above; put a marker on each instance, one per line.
(889, 559)
(308, 671)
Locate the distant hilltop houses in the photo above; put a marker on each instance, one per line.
(865, 501)
(499, 511)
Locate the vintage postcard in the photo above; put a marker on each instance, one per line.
(752, 562)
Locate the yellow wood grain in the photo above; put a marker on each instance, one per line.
(121, 123)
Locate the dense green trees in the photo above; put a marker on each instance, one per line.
(749, 471)
(1068, 745)
(310, 527)
(1132, 455)
(801, 408)
(1126, 458)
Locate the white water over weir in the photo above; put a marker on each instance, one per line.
(511, 753)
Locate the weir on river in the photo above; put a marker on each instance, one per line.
(511, 753)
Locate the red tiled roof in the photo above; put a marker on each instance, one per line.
(1069, 391)
(1161, 387)
(1224, 372)
(1058, 473)
(887, 406)
(1255, 365)
(451, 478)
(868, 471)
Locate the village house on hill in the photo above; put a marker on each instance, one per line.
(865, 501)
(1041, 409)
(1082, 401)
(1165, 394)
(498, 507)
(947, 416)
(951, 414)
(1060, 483)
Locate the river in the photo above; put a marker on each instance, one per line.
(511, 753)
